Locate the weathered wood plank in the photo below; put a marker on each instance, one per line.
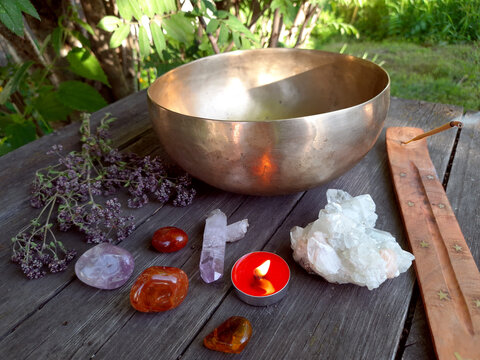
(463, 191)
(23, 162)
(150, 331)
(330, 321)
(105, 321)
(20, 301)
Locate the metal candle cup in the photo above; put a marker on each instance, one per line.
(260, 288)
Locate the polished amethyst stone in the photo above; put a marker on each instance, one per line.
(105, 266)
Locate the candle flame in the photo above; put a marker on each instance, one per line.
(262, 270)
(266, 286)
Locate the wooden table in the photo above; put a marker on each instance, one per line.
(58, 317)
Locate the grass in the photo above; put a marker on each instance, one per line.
(447, 74)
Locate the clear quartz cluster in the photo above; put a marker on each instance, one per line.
(215, 236)
(343, 246)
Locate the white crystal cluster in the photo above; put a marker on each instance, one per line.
(343, 246)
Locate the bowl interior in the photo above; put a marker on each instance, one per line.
(268, 85)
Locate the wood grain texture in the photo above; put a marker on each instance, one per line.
(463, 190)
(59, 317)
(446, 271)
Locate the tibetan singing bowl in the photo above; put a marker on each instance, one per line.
(270, 121)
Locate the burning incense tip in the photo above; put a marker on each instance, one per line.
(435, 131)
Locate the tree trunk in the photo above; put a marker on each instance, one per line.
(110, 61)
(276, 29)
(22, 46)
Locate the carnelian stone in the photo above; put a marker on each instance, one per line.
(159, 288)
(231, 336)
(169, 239)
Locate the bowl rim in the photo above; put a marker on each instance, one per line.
(307, 117)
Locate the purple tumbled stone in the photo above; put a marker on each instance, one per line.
(105, 266)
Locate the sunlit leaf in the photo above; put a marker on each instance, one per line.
(80, 96)
(147, 8)
(143, 42)
(119, 35)
(125, 9)
(158, 37)
(84, 63)
(164, 6)
(135, 6)
(179, 28)
(109, 23)
(85, 25)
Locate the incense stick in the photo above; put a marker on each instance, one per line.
(436, 131)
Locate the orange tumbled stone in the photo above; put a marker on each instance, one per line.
(159, 288)
(231, 336)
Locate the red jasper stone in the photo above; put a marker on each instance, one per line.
(231, 336)
(169, 239)
(159, 288)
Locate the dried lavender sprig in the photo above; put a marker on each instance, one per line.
(67, 194)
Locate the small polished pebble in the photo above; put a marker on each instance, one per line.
(105, 266)
(169, 239)
(231, 336)
(159, 288)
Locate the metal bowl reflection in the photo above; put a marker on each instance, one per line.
(270, 121)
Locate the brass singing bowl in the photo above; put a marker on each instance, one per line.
(270, 121)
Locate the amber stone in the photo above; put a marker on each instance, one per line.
(230, 337)
(169, 239)
(159, 288)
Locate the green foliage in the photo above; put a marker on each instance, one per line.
(11, 14)
(80, 96)
(445, 73)
(416, 20)
(84, 63)
(29, 101)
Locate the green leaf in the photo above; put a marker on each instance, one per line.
(237, 26)
(135, 6)
(79, 96)
(143, 42)
(56, 39)
(164, 6)
(27, 7)
(119, 35)
(80, 37)
(85, 25)
(84, 63)
(11, 16)
(223, 35)
(212, 26)
(236, 40)
(222, 14)
(125, 9)
(48, 104)
(19, 131)
(14, 82)
(158, 37)
(209, 6)
(179, 28)
(147, 8)
(109, 23)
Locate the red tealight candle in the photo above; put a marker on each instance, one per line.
(261, 278)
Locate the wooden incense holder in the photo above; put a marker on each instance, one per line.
(446, 271)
